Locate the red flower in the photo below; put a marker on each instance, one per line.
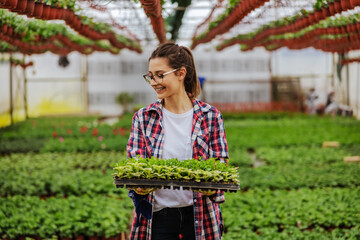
(68, 131)
(84, 129)
(54, 134)
(122, 131)
(95, 132)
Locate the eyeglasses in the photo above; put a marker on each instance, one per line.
(158, 78)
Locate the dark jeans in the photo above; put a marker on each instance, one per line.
(173, 224)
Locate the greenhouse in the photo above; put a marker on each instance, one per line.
(104, 133)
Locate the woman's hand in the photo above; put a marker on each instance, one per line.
(207, 192)
(143, 191)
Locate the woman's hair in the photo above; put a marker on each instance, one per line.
(180, 56)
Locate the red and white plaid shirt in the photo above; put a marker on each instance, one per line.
(208, 140)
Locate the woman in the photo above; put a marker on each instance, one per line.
(178, 126)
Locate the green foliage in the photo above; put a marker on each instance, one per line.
(124, 99)
(292, 131)
(293, 176)
(284, 214)
(63, 174)
(63, 217)
(78, 134)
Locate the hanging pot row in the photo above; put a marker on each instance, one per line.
(152, 9)
(36, 9)
(339, 45)
(43, 11)
(350, 27)
(351, 60)
(307, 20)
(241, 10)
(10, 36)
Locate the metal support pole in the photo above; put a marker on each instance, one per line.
(11, 93)
(25, 92)
(333, 71)
(357, 106)
(84, 78)
(347, 83)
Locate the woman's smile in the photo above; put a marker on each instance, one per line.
(159, 89)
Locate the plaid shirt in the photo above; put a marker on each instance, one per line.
(208, 140)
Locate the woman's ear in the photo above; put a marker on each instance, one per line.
(182, 73)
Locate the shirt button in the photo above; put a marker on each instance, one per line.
(194, 200)
(196, 222)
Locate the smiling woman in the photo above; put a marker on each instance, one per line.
(176, 126)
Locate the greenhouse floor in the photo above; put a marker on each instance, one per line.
(56, 178)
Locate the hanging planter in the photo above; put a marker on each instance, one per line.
(52, 13)
(20, 6)
(59, 13)
(4, 28)
(68, 15)
(46, 12)
(337, 6)
(326, 12)
(354, 3)
(318, 15)
(38, 9)
(153, 10)
(10, 4)
(30, 8)
(345, 5)
(332, 8)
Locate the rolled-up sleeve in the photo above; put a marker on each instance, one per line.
(219, 150)
(218, 143)
(136, 146)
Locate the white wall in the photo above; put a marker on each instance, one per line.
(229, 77)
(53, 89)
(349, 87)
(4, 86)
(313, 67)
(4, 93)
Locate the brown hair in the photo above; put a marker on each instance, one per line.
(180, 56)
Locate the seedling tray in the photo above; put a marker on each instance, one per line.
(167, 184)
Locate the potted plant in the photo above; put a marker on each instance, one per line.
(318, 10)
(331, 7)
(20, 6)
(30, 8)
(124, 99)
(38, 9)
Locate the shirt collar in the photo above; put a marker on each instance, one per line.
(199, 107)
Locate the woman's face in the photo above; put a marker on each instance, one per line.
(171, 84)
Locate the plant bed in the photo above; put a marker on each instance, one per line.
(190, 174)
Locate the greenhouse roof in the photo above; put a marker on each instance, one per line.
(131, 15)
(112, 25)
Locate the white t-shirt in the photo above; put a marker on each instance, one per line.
(177, 144)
